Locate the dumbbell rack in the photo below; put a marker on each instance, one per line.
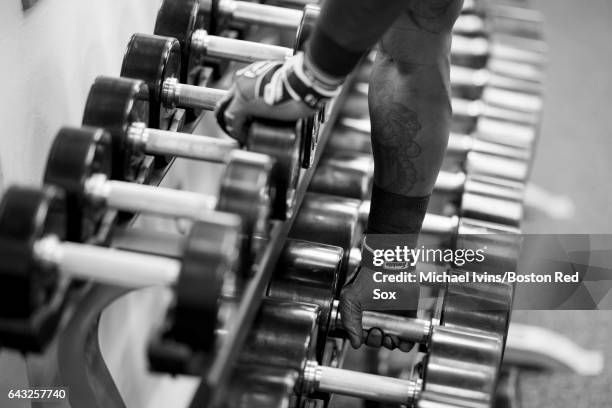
(214, 383)
(88, 373)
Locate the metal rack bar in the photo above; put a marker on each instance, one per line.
(214, 384)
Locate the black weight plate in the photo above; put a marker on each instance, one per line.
(178, 19)
(247, 190)
(26, 215)
(284, 334)
(281, 142)
(114, 104)
(76, 154)
(308, 272)
(210, 260)
(330, 220)
(153, 59)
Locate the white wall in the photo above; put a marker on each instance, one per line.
(49, 57)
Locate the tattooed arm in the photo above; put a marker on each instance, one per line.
(410, 104)
(410, 98)
(345, 30)
(410, 111)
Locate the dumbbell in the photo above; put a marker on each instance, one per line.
(466, 113)
(507, 61)
(485, 121)
(482, 152)
(509, 30)
(470, 83)
(257, 386)
(38, 264)
(182, 20)
(478, 49)
(350, 175)
(344, 173)
(496, 89)
(79, 162)
(331, 220)
(308, 273)
(478, 53)
(113, 104)
(339, 221)
(174, 16)
(156, 61)
(516, 20)
(460, 363)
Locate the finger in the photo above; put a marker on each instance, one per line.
(388, 343)
(350, 313)
(374, 338)
(405, 346)
(221, 109)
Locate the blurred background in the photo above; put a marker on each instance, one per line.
(573, 159)
(52, 53)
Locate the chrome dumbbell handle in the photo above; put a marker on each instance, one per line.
(199, 97)
(477, 108)
(112, 266)
(407, 329)
(480, 46)
(162, 142)
(256, 13)
(361, 385)
(460, 144)
(479, 78)
(236, 50)
(156, 200)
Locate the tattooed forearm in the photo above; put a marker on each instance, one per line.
(394, 130)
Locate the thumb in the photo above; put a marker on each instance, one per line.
(221, 109)
(350, 313)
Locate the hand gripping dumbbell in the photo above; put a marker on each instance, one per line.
(115, 105)
(478, 153)
(460, 364)
(156, 61)
(37, 266)
(184, 20)
(308, 273)
(79, 162)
